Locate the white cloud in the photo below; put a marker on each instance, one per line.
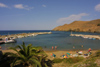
(97, 7)
(71, 18)
(43, 5)
(21, 6)
(3, 5)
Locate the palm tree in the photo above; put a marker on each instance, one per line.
(25, 55)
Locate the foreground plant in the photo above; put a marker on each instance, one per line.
(26, 56)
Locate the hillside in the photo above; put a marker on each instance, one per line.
(81, 26)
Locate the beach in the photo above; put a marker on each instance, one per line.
(58, 53)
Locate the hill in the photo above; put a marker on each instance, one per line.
(81, 26)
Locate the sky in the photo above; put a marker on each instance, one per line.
(45, 14)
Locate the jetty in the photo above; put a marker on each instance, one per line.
(21, 35)
(86, 36)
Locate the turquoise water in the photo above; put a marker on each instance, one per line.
(61, 39)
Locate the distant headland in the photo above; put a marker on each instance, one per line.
(81, 26)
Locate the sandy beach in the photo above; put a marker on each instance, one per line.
(58, 53)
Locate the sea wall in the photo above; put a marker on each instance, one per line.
(21, 35)
(87, 36)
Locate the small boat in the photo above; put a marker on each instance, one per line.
(2, 41)
(9, 40)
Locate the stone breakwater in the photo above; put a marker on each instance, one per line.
(86, 36)
(21, 35)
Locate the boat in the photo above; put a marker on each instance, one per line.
(2, 41)
(9, 40)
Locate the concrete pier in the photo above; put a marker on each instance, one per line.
(87, 36)
(21, 35)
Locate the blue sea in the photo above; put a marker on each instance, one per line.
(61, 39)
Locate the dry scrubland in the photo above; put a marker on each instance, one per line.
(81, 26)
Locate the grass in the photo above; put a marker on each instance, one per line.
(68, 60)
(57, 60)
(73, 60)
(97, 54)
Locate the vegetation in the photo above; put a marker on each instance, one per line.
(89, 30)
(29, 56)
(25, 56)
(81, 26)
(68, 60)
(97, 54)
(91, 61)
(57, 60)
(98, 24)
(73, 60)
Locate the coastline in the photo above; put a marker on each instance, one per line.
(49, 41)
(21, 35)
(58, 53)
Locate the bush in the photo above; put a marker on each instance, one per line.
(91, 64)
(86, 65)
(97, 54)
(73, 60)
(57, 60)
(98, 24)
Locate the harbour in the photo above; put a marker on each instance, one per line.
(11, 38)
(61, 39)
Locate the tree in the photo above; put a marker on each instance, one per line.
(25, 55)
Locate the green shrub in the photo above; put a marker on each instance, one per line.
(97, 54)
(98, 24)
(57, 60)
(73, 60)
(86, 65)
(91, 64)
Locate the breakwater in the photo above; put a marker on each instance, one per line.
(21, 35)
(86, 36)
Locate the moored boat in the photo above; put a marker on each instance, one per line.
(2, 41)
(9, 40)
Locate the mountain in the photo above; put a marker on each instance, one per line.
(81, 26)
